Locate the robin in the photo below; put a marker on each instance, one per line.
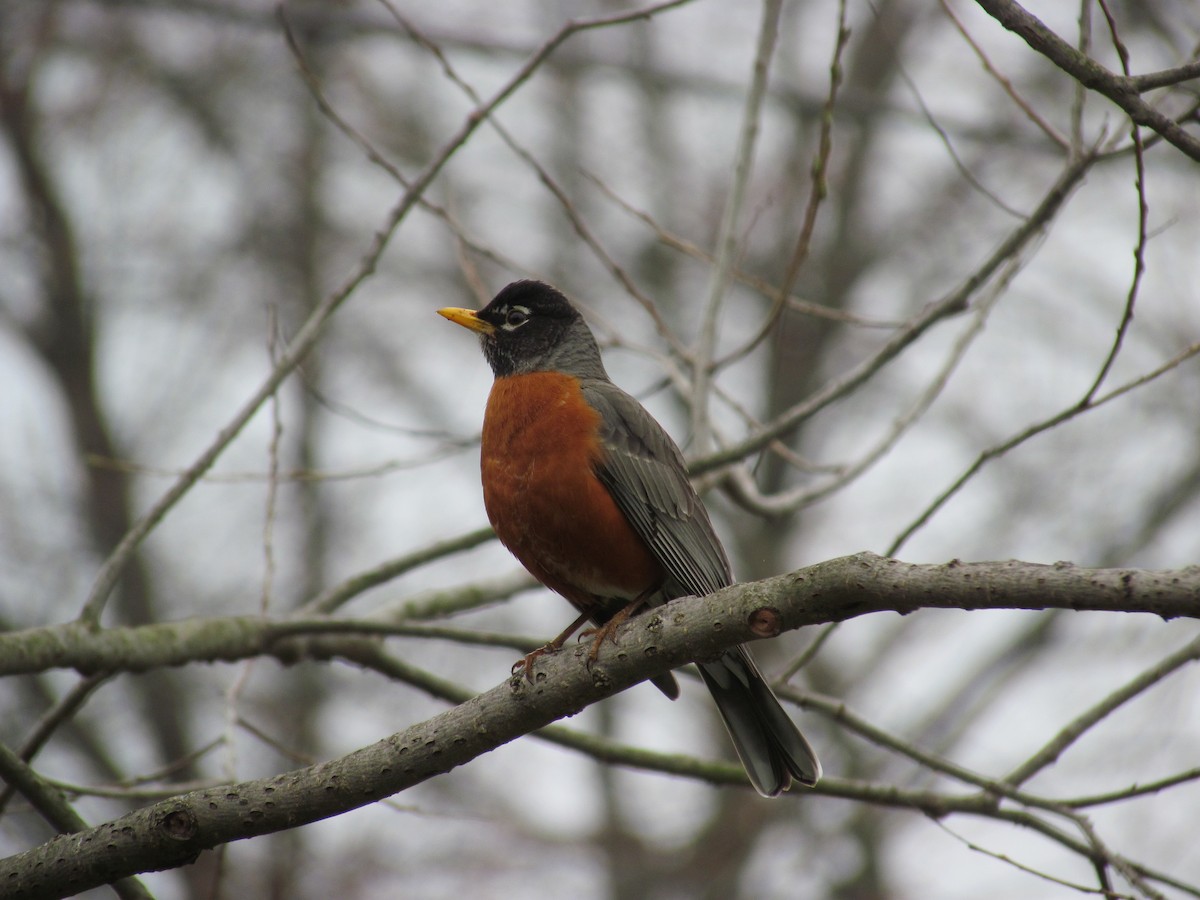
(589, 492)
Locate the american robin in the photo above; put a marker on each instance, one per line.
(589, 492)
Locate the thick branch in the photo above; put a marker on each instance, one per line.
(173, 832)
(831, 591)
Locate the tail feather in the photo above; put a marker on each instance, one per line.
(770, 746)
(667, 684)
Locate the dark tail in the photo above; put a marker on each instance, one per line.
(770, 746)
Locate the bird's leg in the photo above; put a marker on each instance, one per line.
(609, 629)
(553, 647)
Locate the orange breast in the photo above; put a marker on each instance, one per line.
(540, 446)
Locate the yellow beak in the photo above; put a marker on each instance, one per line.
(467, 318)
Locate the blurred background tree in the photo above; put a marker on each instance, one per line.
(904, 242)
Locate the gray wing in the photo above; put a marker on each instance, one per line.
(644, 471)
(647, 477)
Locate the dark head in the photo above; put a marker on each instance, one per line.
(531, 327)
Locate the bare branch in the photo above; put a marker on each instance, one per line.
(951, 304)
(172, 832)
(49, 801)
(727, 237)
(743, 489)
(1033, 430)
(831, 591)
(1121, 90)
(49, 723)
(1166, 78)
(334, 597)
(764, 287)
(816, 198)
(1049, 754)
(1006, 84)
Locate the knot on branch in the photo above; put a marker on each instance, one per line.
(179, 824)
(765, 622)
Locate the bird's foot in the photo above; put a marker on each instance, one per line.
(525, 665)
(554, 646)
(608, 631)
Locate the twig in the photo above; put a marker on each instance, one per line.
(271, 503)
(951, 304)
(819, 190)
(1136, 790)
(1032, 431)
(1005, 84)
(1139, 253)
(764, 287)
(1080, 98)
(1077, 728)
(972, 180)
(289, 475)
(45, 727)
(727, 234)
(1166, 78)
(744, 490)
(334, 597)
(1017, 864)
(122, 792)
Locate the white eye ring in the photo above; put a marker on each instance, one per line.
(516, 317)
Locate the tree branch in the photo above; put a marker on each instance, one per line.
(54, 808)
(1121, 90)
(831, 591)
(173, 832)
(954, 302)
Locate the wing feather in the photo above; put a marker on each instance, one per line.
(645, 472)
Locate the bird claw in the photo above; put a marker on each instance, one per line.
(607, 631)
(598, 634)
(525, 664)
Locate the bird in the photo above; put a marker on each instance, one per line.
(591, 495)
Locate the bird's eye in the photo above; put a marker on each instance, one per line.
(516, 317)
